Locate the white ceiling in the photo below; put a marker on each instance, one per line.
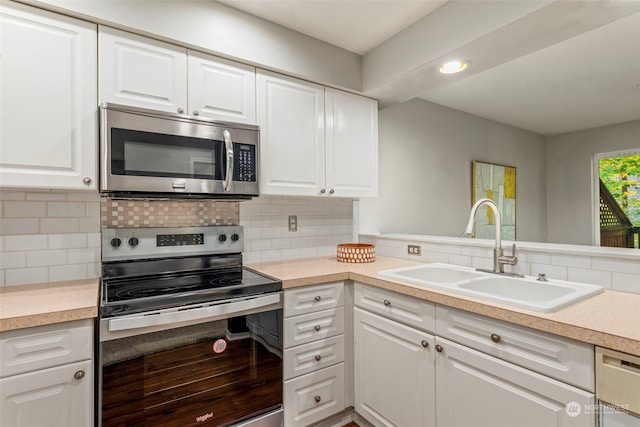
(549, 67)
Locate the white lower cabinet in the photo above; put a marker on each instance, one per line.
(485, 373)
(46, 376)
(475, 389)
(394, 372)
(314, 354)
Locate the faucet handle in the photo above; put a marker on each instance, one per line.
(509, 259)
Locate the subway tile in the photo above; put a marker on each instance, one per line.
(66, 209)
(89, 225)
(93, 209)
(461, 260)
(261, 245)
(67, 272)
(551, 271)
(46, 258)
(272, 255)
(84, 196)
(24, 276)
(571, 261)
(67, 241)
(20, 209)
(482, 262)
(12, 195)
(616, 265)
(94, 270)
(83, 256)
(59, 225)
(624, 282)
(26, 242)
(94, 240)
(585, 275)
(534, 257)
(12, 226)
(46, 197)
(281, 243)
(1, 243)
(13, 260)
(438, 257)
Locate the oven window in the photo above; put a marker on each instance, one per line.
(152, 154)
(212, 374)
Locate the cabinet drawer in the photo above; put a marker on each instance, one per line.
(25, 350)
(402, 308)
(561, 358)
(306, 358)
(313, 326)
(313, 298)
(314, 396)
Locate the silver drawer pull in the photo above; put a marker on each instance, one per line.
(424, 343)
(317, 328)
(439, 348)
(317, 399)
(495, 338)
(318, 357)
(79, 375)
(387, 302)
(317, 298)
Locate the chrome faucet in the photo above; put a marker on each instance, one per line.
(499, 258)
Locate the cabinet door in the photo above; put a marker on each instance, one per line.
(48, 106)
(221, 89)
(475, 389)
(394, 372)
(55, 397)
(351, 144)
(291, 118)
(141, 72)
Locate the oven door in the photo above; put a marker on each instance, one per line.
(150, 152)
(219, 369)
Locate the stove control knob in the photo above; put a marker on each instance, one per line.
(134, 241)
(235, 237)
(222, 238)
(116, 242)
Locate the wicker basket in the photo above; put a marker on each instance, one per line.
(356, 252)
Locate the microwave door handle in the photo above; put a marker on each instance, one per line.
(228, 146)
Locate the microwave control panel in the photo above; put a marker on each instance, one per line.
(245, 163)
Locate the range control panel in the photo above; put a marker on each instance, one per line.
(138, 243)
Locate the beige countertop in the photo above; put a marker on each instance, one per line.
(45, 303)
(610, 319)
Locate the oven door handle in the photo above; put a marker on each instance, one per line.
(212, 312)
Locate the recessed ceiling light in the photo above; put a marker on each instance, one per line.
(453, 67)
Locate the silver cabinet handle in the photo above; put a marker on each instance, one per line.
(332, 191)
(196, 112)
(424, 343)
(317, 298)
(228, 146)
(86, 180)
(495, 338)
(180, 110)
(387, 303)
(322, 191)
(439, 348)
(317, 399)
(79, 375)
(317, 328)
(318, 357)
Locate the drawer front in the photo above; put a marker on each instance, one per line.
(561, 358)
(402, 308)
(26, 350)
(310, 357)
(313, 298)
(314, 396)
(313, 326)
(618, 379)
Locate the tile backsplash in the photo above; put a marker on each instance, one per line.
(48, 236)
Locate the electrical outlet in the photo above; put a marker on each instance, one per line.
(293, 223)
(413, 250)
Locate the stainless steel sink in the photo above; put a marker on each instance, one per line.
(527, 292)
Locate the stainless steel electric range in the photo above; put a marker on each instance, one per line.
(187, 335)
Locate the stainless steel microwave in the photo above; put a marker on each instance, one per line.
(151, 153)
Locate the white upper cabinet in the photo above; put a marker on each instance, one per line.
(142, 72)
(351, 144)
(291, 118)
(147, 73)
(48, 105)
(221, 89)
(316, 141)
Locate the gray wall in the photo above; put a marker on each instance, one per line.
(570, 203)
(426, 153)
(213, 27)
